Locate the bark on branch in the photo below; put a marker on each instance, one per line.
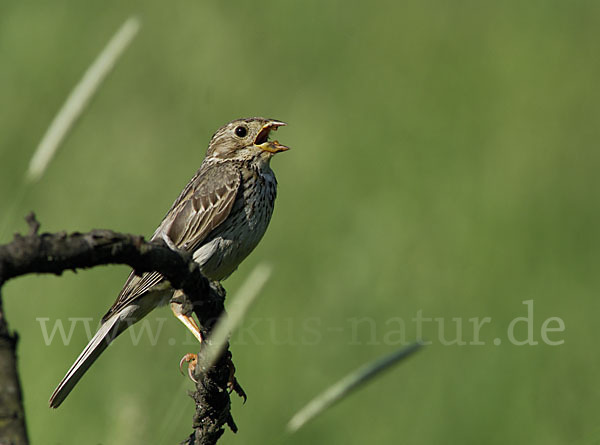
(57, 252)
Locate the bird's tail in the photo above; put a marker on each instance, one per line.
(108, 331)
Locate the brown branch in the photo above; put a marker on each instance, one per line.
(12, 416)
(57, 252)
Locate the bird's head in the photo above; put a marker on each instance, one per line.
(245, 139)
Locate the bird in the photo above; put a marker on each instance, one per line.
(219, 217)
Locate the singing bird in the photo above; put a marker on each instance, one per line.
(220, 216)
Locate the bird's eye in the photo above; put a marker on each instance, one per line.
(241, 131)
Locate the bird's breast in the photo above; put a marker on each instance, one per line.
(238, 235)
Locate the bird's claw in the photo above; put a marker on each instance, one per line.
(191, 360)
(232, 384)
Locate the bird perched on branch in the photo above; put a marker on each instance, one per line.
(220, 216)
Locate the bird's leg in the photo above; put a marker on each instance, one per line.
(182, 309)
(178, 308)
(189, 323)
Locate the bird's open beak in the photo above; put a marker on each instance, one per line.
(262, 140)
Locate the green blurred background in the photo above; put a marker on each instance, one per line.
(445, 160)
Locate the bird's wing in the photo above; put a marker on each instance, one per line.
(202, 206)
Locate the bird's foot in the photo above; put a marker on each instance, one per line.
(232, 384)
(191, 360)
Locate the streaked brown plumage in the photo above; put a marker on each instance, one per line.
(220, 216)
